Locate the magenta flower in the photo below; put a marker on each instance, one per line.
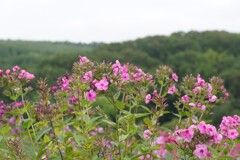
(65, 83)
(83, 60)
(211, 130)
(200, 81)
(147, 133)
(125, 77)
(187, 134)
(87, 76)
(175, 77)
(72, 100)
(1, 72)
(15, 68)
(148, 98)
(102, 84)
(8, 72)
(201, 151)
(185, 98)
(91, 95)
(232, 134)
(202, 127)
(172, 90)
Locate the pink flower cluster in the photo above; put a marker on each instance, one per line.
(118, 69)
(24, 74)
(229, 126)
(21, 74)
(2, 109)
(187, 135)
(159, 144)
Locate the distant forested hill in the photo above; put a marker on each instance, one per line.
(209, 53)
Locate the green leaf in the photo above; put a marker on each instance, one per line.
(123, 137)
(27, 123)
(119, 105)
(42, 132)
(5, 129)
(84, 102)
(169, 156)
(1, 137)
(111, 123)
(116, 96)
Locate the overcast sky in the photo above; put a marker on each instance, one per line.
(113, 20)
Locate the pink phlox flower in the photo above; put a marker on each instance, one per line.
(172, 90)
(211, 130)
(185, 98)
(226, 95)
(188, 134)
(192, 104)
(202, 127)
(175, 77)
(209, 88)
(1, 72)
(155, 92)
(125, 77)
(72, 100)
(200, 81)
(15, 68)
(148, 98)
(146, 134)
(212, 98)
(102, 84)
(232, 134)
(8, 72)
(83, 59)
(201, 151)
(65, 83)
(24, 74)
(200, 106)
(87, 76)
(91, 95)
(195, 90)
(217, 138)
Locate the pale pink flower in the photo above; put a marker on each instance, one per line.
(201, 151)
(185, 98)
(172, 90)
(147, 133)
(212, 98)
(102, 84)
(148, 98)
(175, 77)
(91, 95)
(217, 138)
(192, 104)
(232, 134)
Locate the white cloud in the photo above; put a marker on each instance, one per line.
(113, 20)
